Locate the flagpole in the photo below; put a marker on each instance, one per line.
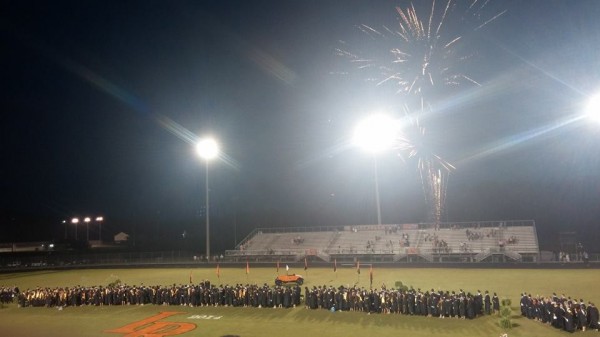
(335, 268)
(305, 266)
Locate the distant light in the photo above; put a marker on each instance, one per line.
(87, 219)
(376, 133)
(64, 221)
(51, 245)
(207, 148)
(75, 220)
(99, 218)
(592, 109)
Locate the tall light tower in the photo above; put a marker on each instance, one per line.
(87, 228)
(99, 220)
(75, 221)
(376, 134)
(207, 149)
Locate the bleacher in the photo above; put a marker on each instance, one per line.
(460, 241)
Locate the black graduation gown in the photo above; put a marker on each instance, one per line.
(593, 317)
(582, 318)
(569, 325)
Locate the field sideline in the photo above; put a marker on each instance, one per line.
(97, 321)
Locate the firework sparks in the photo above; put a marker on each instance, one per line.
(420, 55)
(415, 58)
(433, 169)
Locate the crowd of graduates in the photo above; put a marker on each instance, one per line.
(7, 294)
(561, 312)
(410, 302)
(432, 303)
(193, 295)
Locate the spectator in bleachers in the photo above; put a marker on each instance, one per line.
(441, 246)
(472, 235)
(492, 233)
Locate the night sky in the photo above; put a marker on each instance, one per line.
(101, 102)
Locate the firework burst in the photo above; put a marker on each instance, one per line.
(418, 58)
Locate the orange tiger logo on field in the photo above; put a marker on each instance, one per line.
(153, 327)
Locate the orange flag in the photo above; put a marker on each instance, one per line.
(247, 267)
(218, 271)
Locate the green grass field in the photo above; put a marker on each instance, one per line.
(247, 322)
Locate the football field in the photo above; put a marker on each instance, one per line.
(158, 320)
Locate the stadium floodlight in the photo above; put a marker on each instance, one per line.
(376, 134)
(592, 110)
(207, 149)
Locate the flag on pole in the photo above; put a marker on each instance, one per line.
(358, 267)
(191, 277)
(305, 264)
(247, 267)
(371, 276)
(278, 266)
(334, 265)
(218, 271)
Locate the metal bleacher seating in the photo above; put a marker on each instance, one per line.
(467, 241)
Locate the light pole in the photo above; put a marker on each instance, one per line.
(75, 221)
(87, 228)
(376, 134)
(99, 220)
(207, 149)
